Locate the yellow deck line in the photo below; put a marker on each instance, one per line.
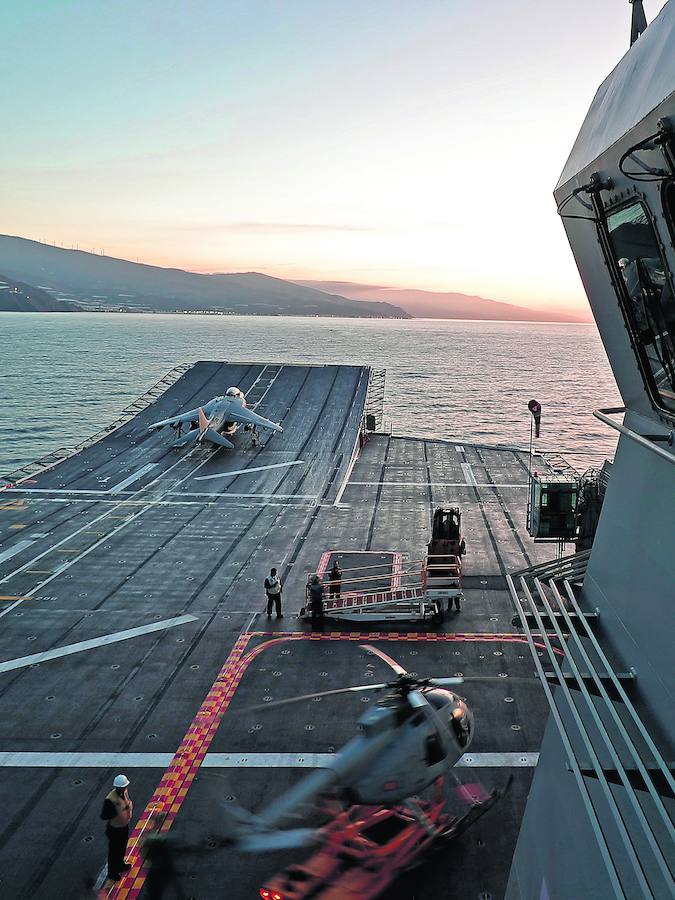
(15, 597)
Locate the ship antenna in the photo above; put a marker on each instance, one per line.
(638, 22)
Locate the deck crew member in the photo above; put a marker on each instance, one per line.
(316, 594)
(335, 579)
(117, 811)
(273, 591)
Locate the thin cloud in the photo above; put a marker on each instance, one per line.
(285, 227)
(273, 226)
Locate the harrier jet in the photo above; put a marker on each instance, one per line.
(217, 418)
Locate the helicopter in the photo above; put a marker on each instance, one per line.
(409, 740)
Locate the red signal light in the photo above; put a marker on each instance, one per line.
(265, 894)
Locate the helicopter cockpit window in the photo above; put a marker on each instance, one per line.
(649, 303)
(435, 751)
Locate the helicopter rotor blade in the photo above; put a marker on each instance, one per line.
(509, 678)
(333, 693)
(383, 656)
(460, 679)
(416, 700)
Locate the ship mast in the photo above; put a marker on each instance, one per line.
(638, 22)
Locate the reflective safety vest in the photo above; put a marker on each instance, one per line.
(123, 807)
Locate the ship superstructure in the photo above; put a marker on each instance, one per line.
(604, 785)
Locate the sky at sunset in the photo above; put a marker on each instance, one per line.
(394, 143)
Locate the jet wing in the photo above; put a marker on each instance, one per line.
(191, 415)
(248, 417)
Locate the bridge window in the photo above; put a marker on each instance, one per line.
(669, 205)
(648, 301)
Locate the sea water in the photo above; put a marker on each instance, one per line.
(65, 376)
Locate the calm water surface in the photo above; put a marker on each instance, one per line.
(65, 376)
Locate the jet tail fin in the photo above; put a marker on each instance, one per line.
(203, 421)
(216, 438)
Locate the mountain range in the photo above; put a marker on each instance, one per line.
(96, 282)
(53, 278)
(445, 305)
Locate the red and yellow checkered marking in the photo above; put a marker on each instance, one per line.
(175, 783)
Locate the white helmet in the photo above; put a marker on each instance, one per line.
(232, 392)
(120, 781)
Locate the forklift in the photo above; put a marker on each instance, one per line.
(442, 575)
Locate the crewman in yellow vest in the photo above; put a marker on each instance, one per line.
(117, 811)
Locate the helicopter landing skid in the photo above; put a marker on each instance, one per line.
(365, 848)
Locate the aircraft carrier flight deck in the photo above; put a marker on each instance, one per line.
(134, 628)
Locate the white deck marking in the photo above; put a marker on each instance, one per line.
(150, 504)
(231, 504)
(103, 496)
(250, 496)
(269, 386)
(468, 474)
(262, 372)
(56, 491)
(348, 473)
(23, 661)
(115, 489)
(297, 462)
(39, 760)
(17, 548)
(439, 484)
(459, 448)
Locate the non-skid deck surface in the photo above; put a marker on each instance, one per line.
(141, 581)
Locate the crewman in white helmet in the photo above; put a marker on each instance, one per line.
(117, 811)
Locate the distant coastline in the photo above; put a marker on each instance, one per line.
(243, 315)
(40, 277)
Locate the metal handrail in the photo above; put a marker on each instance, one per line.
(358, 595)
(602, 730)
(621, 692)
(383, 577)
(573, 562)
(604, 416)
(574, 642)
(571, 758)
(387, 565)
(588, 745)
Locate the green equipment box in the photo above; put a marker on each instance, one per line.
(552, 507)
